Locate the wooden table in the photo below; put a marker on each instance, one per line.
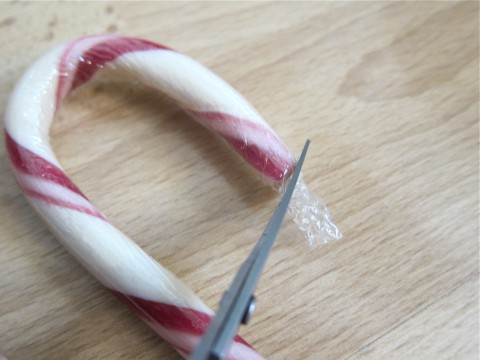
(388, 93)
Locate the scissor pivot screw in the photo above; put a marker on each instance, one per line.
(249, 310)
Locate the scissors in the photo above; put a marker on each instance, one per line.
(238, 303)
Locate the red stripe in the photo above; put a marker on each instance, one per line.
(100, 54)
(276, 170)
(32, 164)
(270, 165)
(65, 204)
(172, 317)
(63, 72)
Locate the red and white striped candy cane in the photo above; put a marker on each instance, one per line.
(155, 294)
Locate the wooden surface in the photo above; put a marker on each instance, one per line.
(388, 93)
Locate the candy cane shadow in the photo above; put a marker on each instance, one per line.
(60, 302)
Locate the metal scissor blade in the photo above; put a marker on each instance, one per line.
(238, 299)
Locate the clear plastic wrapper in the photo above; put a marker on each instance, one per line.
(311, 215)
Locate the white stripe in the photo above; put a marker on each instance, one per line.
(183, 79)
(31, 107)
(51, 189)
(115, 260)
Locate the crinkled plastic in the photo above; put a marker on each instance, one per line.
(311, 215)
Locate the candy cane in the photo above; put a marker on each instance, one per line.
(155, 294)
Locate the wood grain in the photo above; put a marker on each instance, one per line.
(389, 95)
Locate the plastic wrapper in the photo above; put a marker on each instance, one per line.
(312, 216)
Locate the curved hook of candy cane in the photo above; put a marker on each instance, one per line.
(213, 102)
(155, 294)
